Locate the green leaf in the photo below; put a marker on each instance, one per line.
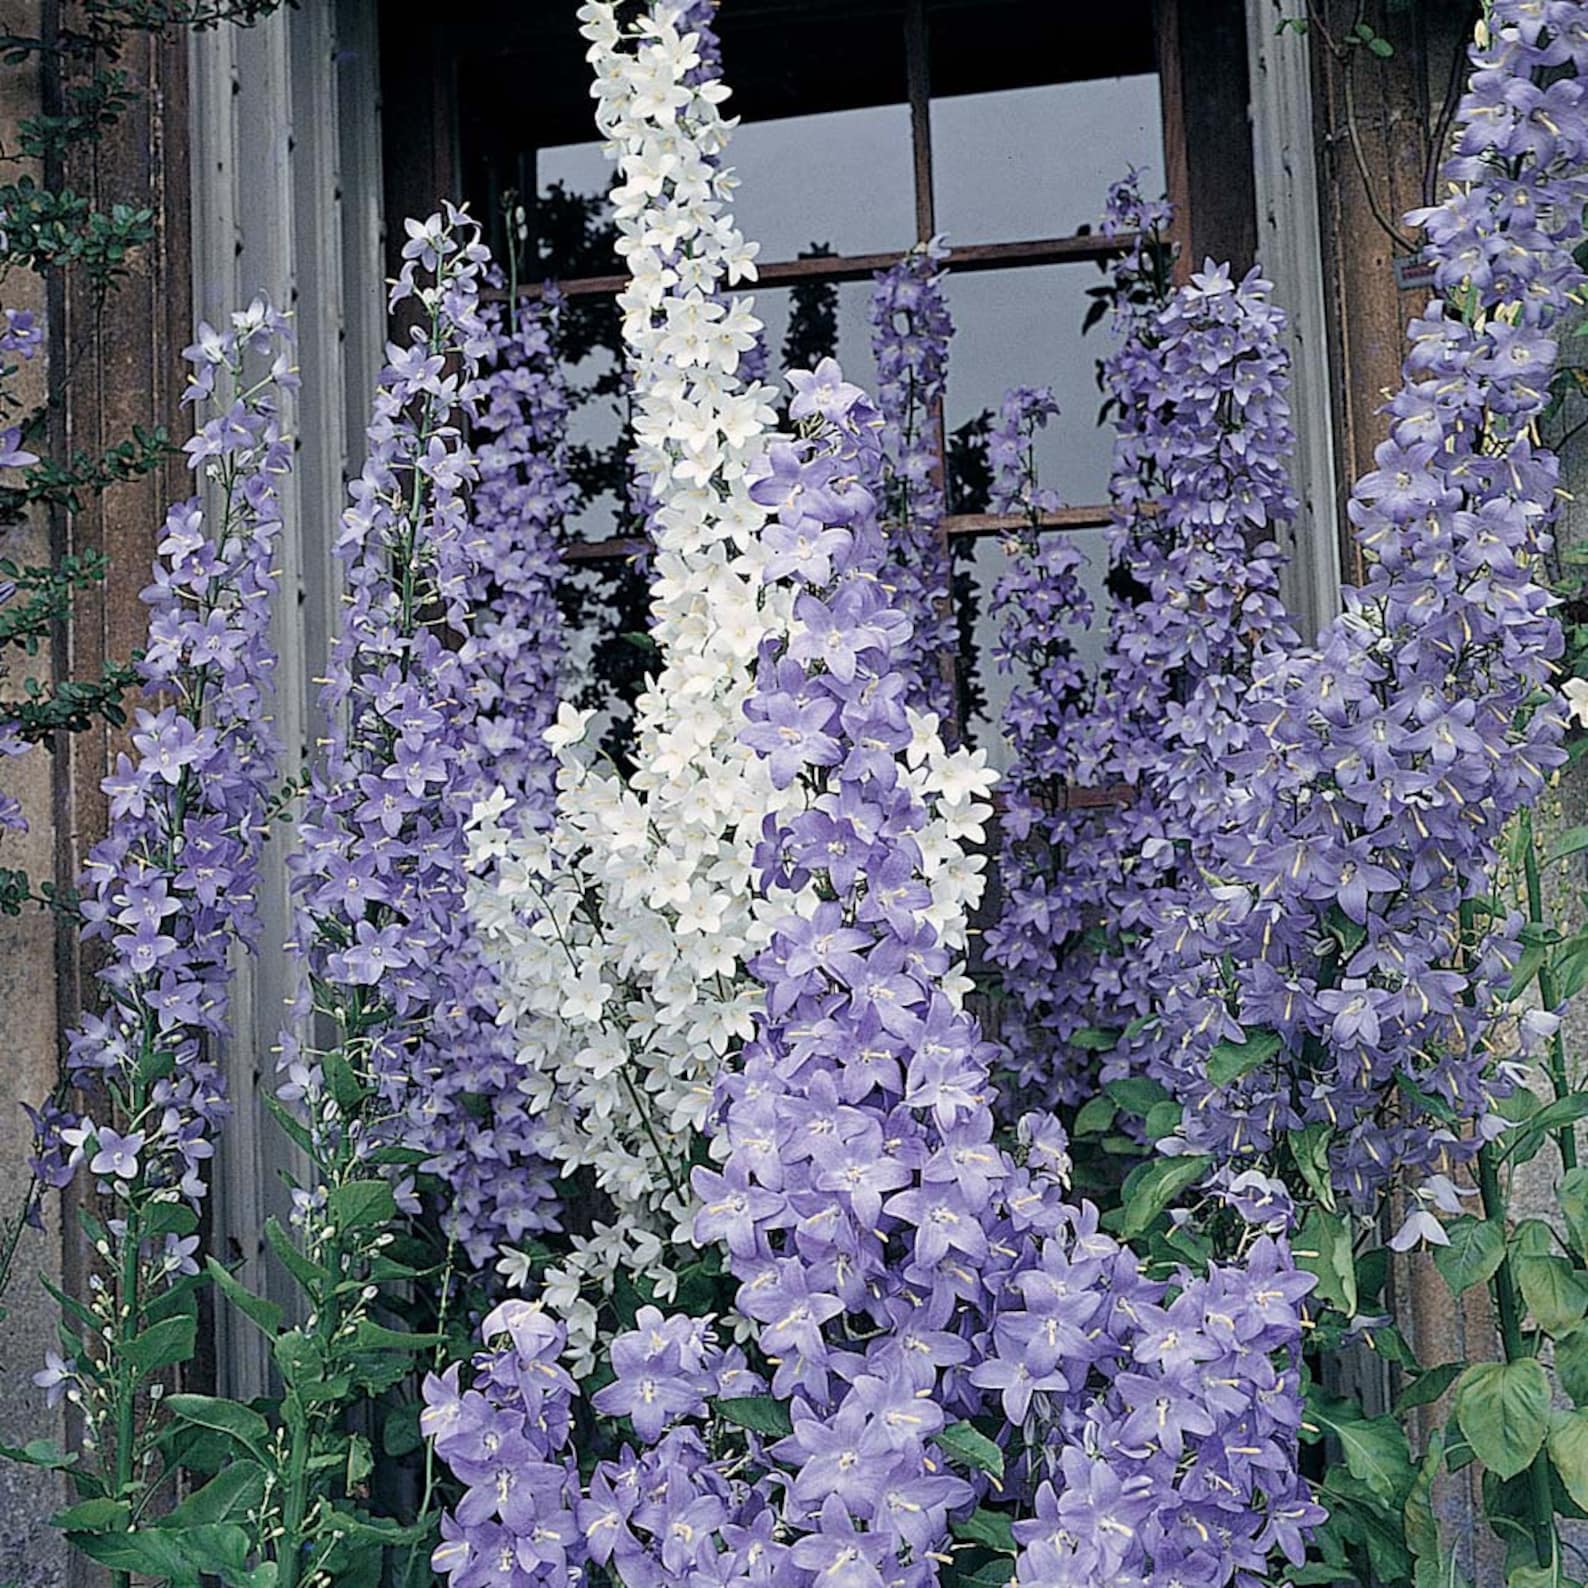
(362, 1205)
(1095, 1039)
(1155, 1184)
(1428, 1386)
(1503, 1409)
(1138, 1094)
(761, 1414)
(168, 1218)
(1163, 1119)
(163, 1344)
(370, 1336)
(311, 1278)
(1476, 1249)
(291, 1126)
(150, 1551)
(266, 1314)
(991, 1528)
(1375, 1449)
(1554, 1290)
(1571, 842)
(229, 1496)
(1096, 1116)
(93, 1516)
(347, 1092)
(968, 1445)
(1527, 967)
(1568, 1449)
(1574, 1206)
(1323, 1247)
(1571, 1364)
(1563, 1111)
(1310, 1148)
(1422, 1526)
(39, 1453)
(1229, 1061)
(242, 1423)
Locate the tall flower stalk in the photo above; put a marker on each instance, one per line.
(618, 934)
(171, 891)
(910, 334)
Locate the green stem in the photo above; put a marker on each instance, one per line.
(125, 1376)
(1559, 1079)
(1540, 1496)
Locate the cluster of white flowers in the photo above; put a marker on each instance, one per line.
(620, 935)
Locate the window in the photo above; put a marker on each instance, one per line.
(867, 125)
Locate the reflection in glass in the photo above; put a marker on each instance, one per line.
(1037, 162)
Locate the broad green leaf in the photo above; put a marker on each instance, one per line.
(362, 1205)
(1095, 1039)
(1571, 1364)
(1137, 1093)
(1568, 1449)
(1476, 1249)
(1503, 1409)
(39, 1453)
(1096, 1116)
(1229, 1061)
(1554, 1290)
(266, 1314)
(151, 1551)
(995, 1574)
(1527, 967)
(163, 1344)
(229, 1496)
(1163, 1119)
(1323, 1247)
(1153, 1186)
(292, 1127)
(991, 1528)
(242, 1423)
(168, 1218)
(967, 1444)
(761, 1414)
(93, 1516)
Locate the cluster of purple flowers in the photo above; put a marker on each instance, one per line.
(1198, 381)
(381, 872)
(172, 887)
(1042, 604)
(1381, 766)
(910, 333)
(902, 1271)
(486, 1147)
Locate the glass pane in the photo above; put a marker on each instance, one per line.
(1023, 328)
(843, 178)
(1037, 162)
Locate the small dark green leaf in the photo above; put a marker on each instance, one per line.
(1096, 1116)
(93, 1516)
(1571, 1364)
(991, 1528)
(761, 1414)
(968, 1445)
(1375, 1448)
(1136, 1093)
(1310, 1148)
(1230, 1060)
(1429, 1386)
(1574, 1206)
(1095, 1039)
(1323, 1247)
(1153, 1186)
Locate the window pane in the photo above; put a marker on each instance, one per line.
(843, 178)
(1037, 162)
(1023, 328)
